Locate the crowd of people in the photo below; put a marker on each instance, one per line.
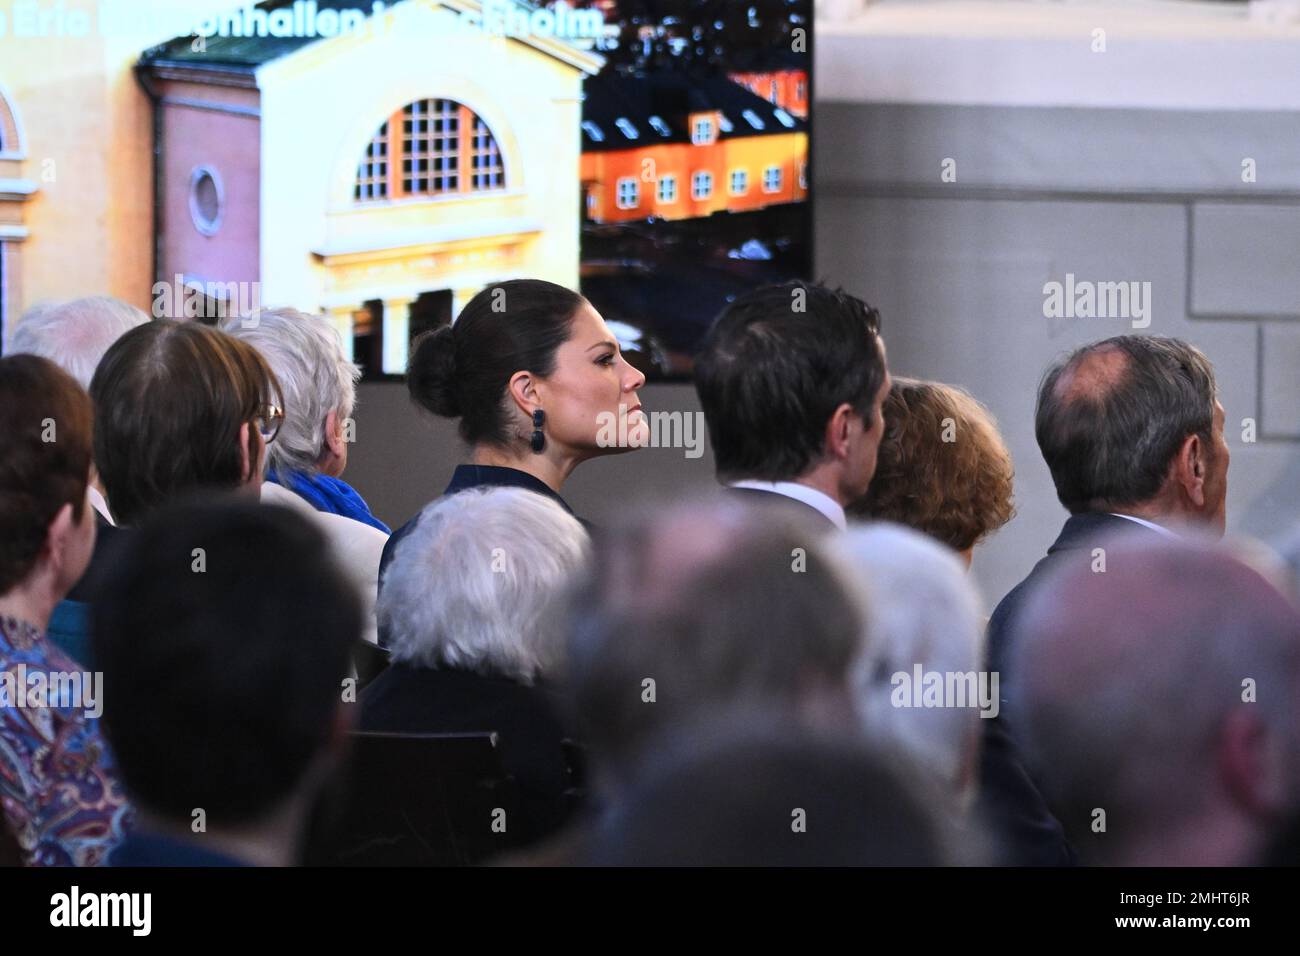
(201, 622)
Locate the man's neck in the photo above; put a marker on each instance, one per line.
(824, 480)
(1225, 842)
(1147, 511)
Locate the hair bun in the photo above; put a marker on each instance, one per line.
(431, 374)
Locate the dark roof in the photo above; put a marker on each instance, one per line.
(669, 97)
(246, 53)
(768, 60)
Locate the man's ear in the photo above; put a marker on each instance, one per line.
(334, 434)
(838, 429)
(1190, 469)
(1247, 764)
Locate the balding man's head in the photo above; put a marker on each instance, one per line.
(717, 604)
(1113, 418)
(1163, 690)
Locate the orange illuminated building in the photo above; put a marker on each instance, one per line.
(786, 88)
(779, 75)
(677, 147)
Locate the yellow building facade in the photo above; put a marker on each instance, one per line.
(297, 140)
(76, 187)
(85, 209)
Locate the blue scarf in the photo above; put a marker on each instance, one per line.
(329, 495)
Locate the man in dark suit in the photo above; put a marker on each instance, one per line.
(792, 379)
(1142, 694)
(1132, 431)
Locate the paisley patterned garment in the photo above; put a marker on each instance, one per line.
(58, 786)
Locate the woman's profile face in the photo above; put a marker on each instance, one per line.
(590, 400)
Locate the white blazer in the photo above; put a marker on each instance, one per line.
(357, 546)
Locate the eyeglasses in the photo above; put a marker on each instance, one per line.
(269, 419)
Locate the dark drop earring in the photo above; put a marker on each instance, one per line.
(539, 440)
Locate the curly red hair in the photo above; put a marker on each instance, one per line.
(942, 467)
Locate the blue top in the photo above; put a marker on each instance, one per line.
(331, 495)
(462, 479)
(154, 849)
(69, 626)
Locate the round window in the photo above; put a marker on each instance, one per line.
(207, 200)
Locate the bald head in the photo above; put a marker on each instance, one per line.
(1163, 690)
(1112, 416)
(1095, 374)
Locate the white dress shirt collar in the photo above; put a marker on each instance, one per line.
(1148, 524)
(99, 504)
(810, 496)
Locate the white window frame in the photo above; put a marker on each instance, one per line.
(204, 225)
(702, 131)
(767, 179)
(698, 177)
(667, 188)
(744, 182)
(620, 189)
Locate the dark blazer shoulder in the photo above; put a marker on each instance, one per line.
(784, 503)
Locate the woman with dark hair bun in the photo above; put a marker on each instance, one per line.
(538, 383)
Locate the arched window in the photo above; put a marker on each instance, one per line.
(430, 148)
(8, 128)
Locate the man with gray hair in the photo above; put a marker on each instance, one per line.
(75, 335)
(1161, 700)
(311, 449)
(1132, 431)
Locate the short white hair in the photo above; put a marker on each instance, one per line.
(75, 334)
(922, 609)
(470, 587)
(315, 376)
